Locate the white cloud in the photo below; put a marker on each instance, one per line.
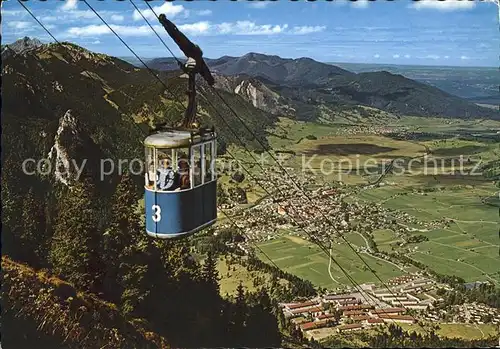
(204, 13)
(307, 29)
(24, 27)
(432, 57)
(79, 15)
(359, 3)
(49, 19)
(85, 14)
(353, 3)
(446, 57)
(168, 9)
(446, 5)
(96, 30)
(16, 13)
(197, 29)
(376, 55)
(117, 18)
(69, 11)
(395, 56)
(259, 4)
(249, 28)
(69, 5)
(19, 24)
(96, 42)
(407, 56)
(464, 58)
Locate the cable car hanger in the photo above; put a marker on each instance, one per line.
(195, 64)
(181, 200)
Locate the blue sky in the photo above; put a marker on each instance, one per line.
(427, 32)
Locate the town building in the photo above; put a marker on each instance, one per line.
(407, 319)
(387, 311)
(349, 328)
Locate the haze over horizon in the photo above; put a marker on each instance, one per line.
(428, 32)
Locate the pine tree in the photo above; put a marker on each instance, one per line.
(239, 317)
(120, 238)
(144, 282)
(74, 246)
(264, 300)
(209, 272)
(33, 242)
(11, 209)
(262, 326)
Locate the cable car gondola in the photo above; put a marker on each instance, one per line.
(181, 182)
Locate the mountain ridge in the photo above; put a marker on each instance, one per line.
(307, 81)
(22, 45)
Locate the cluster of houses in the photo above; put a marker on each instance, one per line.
(473, 313)
(408, 291)
(273, 213)
(413, 294)
(355, 311)
(345, 312)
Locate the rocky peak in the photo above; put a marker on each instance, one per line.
(74, 155)
(58, 154)
(21, 46)
(255, 92)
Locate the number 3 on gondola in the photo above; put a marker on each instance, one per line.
(156, 213)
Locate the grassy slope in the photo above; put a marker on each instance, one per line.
(232, 275)
(72, 318)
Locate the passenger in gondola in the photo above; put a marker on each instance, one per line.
(208, 171)
(184, 174)
(197, 172)
(167, 178)
(150, 177)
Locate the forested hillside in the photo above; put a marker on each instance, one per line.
(84, 235)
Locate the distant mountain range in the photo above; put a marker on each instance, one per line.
(20, 46)
(277, 70)
(305, 81)
(478, 84)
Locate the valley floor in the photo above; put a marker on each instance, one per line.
(444, 218)
(457, 213)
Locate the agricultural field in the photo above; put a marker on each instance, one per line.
(332, 152)
(467, 245)
(386, 240)
(437, 125)
(337, 153)
(306, 260)
(466, 331)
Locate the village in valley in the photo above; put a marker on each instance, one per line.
(409, 300)
(286, 219)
